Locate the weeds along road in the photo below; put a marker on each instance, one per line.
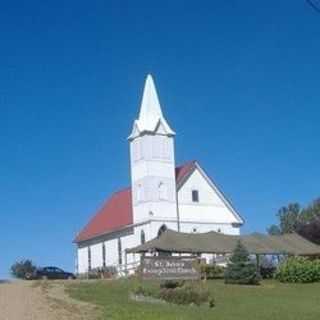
(22, 300)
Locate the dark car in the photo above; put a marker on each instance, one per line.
(52, 273)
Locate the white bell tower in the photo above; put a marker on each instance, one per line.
(152, 161)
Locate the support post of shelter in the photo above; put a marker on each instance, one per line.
(258, 263)
(126, 263)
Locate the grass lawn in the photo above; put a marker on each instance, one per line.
(271, 301)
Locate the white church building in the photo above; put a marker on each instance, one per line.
(161, 196)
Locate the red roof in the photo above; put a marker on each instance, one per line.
(183, 170)
(116, 213)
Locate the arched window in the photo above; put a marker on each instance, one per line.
(163, 193)
(142, 237)
(162, 229)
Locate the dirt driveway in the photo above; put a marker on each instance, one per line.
(24, 300)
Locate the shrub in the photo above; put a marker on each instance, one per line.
(187, 294)
(183, 294)
(171, 284)
(211, 271)
(147, 291)
(298, 269)
(240, 269)
(23, 269)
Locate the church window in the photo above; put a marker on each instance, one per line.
(160, 147)
(139, 192)
(165, 149)
(119, 251)
(162, 229)
(195, 196)
(137, 150)
(163, 193)
(103, 255)
(89, 259)
(142, 237)
(156, 147)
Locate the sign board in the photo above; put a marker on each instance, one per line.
(169, 268)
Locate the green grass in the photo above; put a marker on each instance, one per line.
(271, 300)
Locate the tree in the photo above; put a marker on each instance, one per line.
(289, 217)
(311, 230)
(304, 221)
(23, 269)
(294, 219)
(240, 269)
(274, 230)
(311, 212)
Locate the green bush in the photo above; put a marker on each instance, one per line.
(212, 271)
(240, 269)
(23, 269)
(188, 293)
(171, 284)
(147, 291)
(298, 269)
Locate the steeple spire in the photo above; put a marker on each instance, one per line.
(150, 109)
(150, 115)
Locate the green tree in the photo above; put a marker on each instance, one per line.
(305, 221)
(23, 269)
(311, 230)
(289, 217)
(311, 212)
(240, 269)
(274, 230)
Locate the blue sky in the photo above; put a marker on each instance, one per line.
(238, 81)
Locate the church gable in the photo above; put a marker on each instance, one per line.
(200, 199)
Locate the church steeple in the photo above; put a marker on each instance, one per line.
(152, 161)
(150, 115)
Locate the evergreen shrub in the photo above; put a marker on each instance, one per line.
(240, 269)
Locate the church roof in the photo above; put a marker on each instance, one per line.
(150, 116)
(117, 213)
(219, 243)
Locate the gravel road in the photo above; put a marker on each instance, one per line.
(22, 300)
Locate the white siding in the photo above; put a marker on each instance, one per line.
(112, 252)
(152, 163)
(210, 208)
(82, 260)
(96, 255)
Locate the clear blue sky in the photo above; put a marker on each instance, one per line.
(238, 81)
